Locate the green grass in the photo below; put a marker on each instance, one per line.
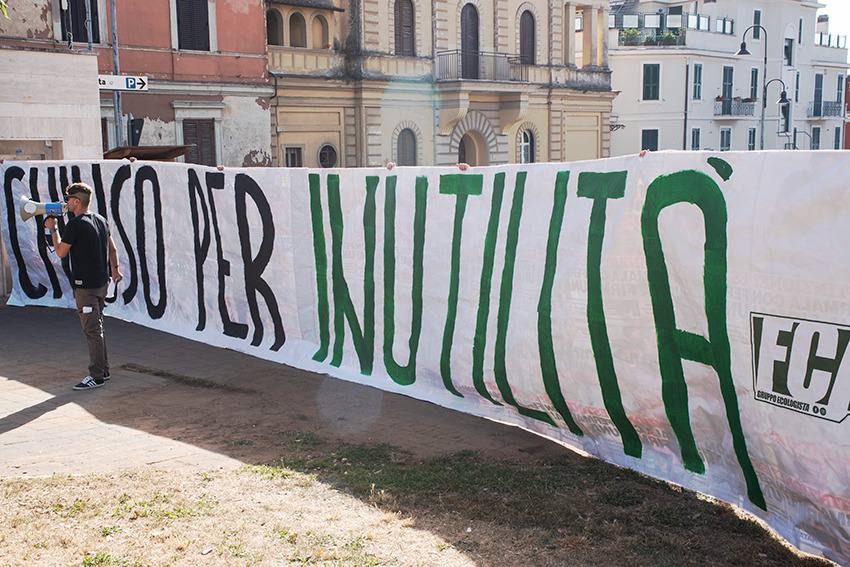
(95, 559)
(570, 502)
(158, 507)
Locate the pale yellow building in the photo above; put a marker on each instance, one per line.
(365, 82)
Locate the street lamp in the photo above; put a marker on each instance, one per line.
(783, 101)
(802, 132)
(783, 96)
(743, 51)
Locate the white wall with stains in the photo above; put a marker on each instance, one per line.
(246, 132)
(39, 102)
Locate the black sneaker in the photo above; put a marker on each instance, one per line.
(107, 376)
(88, 383)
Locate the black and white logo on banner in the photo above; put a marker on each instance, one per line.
(801, 365)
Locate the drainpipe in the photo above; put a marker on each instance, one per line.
(88, 23)
(273, 106)
(687, 84)
(116, 96)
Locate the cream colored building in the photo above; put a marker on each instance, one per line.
(49, 109)
(683, 86)
(365, 82)
(49, 106)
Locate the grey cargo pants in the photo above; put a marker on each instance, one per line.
(90, 307)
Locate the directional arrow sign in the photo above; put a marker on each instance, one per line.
(122, 83)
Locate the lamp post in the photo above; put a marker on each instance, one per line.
(802, 132)
(116, 95)
(744, 51)
(783, 102)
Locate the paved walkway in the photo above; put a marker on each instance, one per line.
(176, 403)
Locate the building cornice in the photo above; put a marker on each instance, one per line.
(209, 89)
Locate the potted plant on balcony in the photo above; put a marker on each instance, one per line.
(668, 38)
(650, 40)
(718, 98)
(630, 36)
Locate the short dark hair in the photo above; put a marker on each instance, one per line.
(79, 190)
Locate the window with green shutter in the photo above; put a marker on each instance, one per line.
(651, 81)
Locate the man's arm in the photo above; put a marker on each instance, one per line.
(61, 248)
(113, 260)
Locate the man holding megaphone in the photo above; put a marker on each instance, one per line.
(87, 241)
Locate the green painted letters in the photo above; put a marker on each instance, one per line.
(404, 375)
(675, 345)
(462, 186)
(364, 338)
(600, 187)
(545, 343)
(320, 257)
(479, 344)
(505, 295)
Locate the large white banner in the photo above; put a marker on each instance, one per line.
(686, 315)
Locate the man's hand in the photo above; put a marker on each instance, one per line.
(117, 276)
(390, 165)
(463, 166)
(50, 223)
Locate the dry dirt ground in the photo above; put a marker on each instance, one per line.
(310, 471)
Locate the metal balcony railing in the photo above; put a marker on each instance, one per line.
(669, 22)
(731, 107)
(829, 40)
(480, 65)
(825, 109)
(652, 37)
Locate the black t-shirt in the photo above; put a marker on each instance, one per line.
(87, 234)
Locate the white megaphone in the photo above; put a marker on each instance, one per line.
(30, 208)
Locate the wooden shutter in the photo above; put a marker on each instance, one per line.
(193, 26)
(201, 133)
(104, 134)
(404, 28)
(526, 38)
(651, 76)
(406, 148)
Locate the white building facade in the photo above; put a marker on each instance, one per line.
(683, 86)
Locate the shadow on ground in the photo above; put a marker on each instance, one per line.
(516, 500)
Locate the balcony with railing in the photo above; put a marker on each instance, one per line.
(652, 37)
(460, 65)
(666, 30)
(731, 108)
(303, 61)
(831, 40)
(825, 109)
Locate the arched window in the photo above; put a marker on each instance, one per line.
(320, 33)
(406, 147)
(462, 151)
(274, 27)
(469, 42)
(526, 147)
(297, 30)
(526, 38)
(404, 28)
